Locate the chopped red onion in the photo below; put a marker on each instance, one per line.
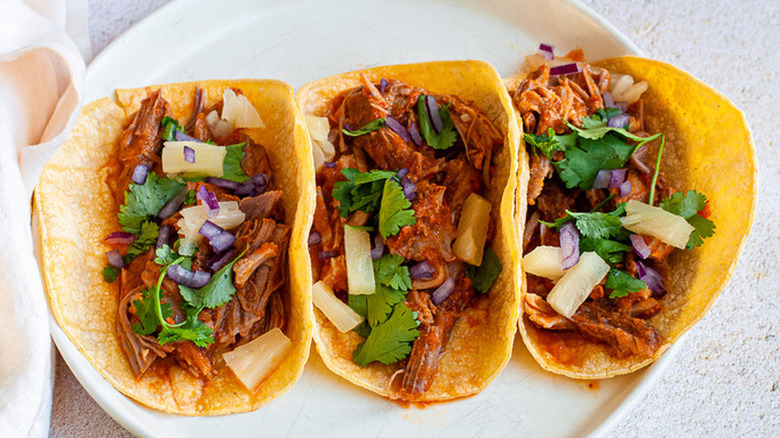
(209, 200)
(120, 238)
(382, 85)
(569, 239)
(219, 260)
(398, 128)
(619, 121)
(253, 186)
(602, 179)
(324, 255)
(115, 259)
(617, 178)
(164, 236)
(182, 136)
(183, 276)
(415, 133)
(379, 247)
(546, 51)
(173, 205)
(640, 247)
(403, 172)
(442, 292)
(652, 279)
(329, 164)
(210, 230)
(433, 114)
(189, 154)
(314, 238)
(565, 69)
(422, 271)
(223, 183)
(410, 188)
(219, 239)
(140, 173)
(625, 188)
(609, 101)
(622, 106)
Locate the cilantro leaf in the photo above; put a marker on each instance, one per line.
(389, 341)
(395, 211)
(684, 204)
(216, 292)
(191, 198)
(144, 310)
(361, 191)
(551, 142)
(622, 283)
(390, 272)
(165, 255)
(370, 127)
(145, 239)
(363, 329)
(110, 273)
(482, 277)
(192, 330)
(609, 250)
(582, 163)
(595, 225)
(443, 140)
(377, 306)
(358, 303)
(231, 165)
(703, 228)
(595, 127)
(169, 127)
(144, 201)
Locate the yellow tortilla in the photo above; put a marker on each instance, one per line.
(481, 341)
(75, 210)
(708, 148)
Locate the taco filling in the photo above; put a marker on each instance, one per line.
(401, 229)
(602, 220)
(201, 259)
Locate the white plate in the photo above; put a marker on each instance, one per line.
(298, 41)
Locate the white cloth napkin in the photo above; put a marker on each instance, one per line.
(41, 81)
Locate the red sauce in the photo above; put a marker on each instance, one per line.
(593, 385)
(565, 347)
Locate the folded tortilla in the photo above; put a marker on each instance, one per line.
(481, 341)
(75, 210)
(709, 149)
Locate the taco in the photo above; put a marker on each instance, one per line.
(641, 194)
(413, 245)
(172, 229)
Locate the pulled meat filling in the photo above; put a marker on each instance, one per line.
(544, 103)
(259, 277)
(444, 179)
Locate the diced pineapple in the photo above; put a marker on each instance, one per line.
(360, 267)
(577, 283)
(472, 229)
(341, 315)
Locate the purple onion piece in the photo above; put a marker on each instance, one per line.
(182, 136)
(324, 255)
(433, 114)
(115, 259)
(410, 188)
(164, 236)
(625, 188)
(189, 154)
(120, 238)
(173, 205)
(209, 200)
(210, 230)
(220, 259)
(619, 121)
(570, 245)
(329, 164)
(546, 48)
(442, 292)
(253, 186)
(609, 101)
(379, 247)
(222, 241)
(314, 238)
(383, 85)
(622, 106)
(546, 51)
(398, 128)
(565, 69)
(640, 247)
(602, 179)
(140, 173)
(415, 134)
(617, 178)
(348, 126)
(652, 279)
(183, 276)
(422, 271)
(223, 183)
(403, 172)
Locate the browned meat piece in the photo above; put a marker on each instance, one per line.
(640, 187)
(627, 335)
(461, 180)
(532, 225)
(197, 109)
(555, 200)
(201, 130)
(430, 238)
(192, 358)
(140, 142)
(255, 158)
(249, 263)
(646, 308)
(321, 223)
(540, 171)
(420, 302)
(478, 133)
(262, 206)
(140, 350)
(334, 273)
(543, 315)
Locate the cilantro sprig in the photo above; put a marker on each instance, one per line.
(483, 276)
(688, 206)
(395, 210)
(444, 139)
(368, 128)
(390, 341)
(144, 201)
(621, 283)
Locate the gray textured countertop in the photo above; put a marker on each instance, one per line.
(725, 381)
